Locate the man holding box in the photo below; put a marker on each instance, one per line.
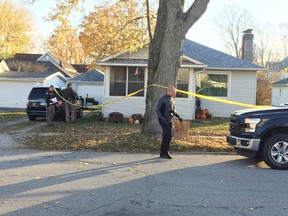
(165, 111)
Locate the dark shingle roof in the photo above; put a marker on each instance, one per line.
(214, 58)
(92, 75)
(281, 82)
(81, 68)
(27, 56)
(33, 66)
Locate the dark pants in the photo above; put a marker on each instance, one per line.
(167, 136)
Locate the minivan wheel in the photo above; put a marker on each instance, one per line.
(275, 152)
(32, 118)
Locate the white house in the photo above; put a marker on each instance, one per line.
(279, 92)
(89, 85)
(203, 70)
(25, 71)
(16, 86)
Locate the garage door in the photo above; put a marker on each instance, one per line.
(14, 94)
(95, 92)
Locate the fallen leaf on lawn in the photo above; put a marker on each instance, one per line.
(45, 206)
(38, 177)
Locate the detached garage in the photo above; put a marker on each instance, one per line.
(16, 86)
(89, 85)
(279, 92)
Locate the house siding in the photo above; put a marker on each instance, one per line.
(90, 90)
(47, 57)
(56, 81)
(132, 105)
(19, 90)
(242, 88)
(279, 95)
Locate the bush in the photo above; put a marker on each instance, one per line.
(138, 117)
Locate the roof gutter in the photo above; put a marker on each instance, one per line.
(238, 69)
(20, 79)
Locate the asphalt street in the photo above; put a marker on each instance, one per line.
(110, 184)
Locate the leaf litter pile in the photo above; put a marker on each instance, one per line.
(89, 133)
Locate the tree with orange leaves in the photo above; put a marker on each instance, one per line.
(15, 26)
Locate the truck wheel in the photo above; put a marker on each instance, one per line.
(275, 152)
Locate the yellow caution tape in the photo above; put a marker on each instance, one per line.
(160, 86)
(104, 104)
(214, 98)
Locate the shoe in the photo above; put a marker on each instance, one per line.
(166, 156)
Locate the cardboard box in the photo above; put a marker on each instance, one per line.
(181, 130)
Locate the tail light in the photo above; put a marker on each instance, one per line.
(27, 102)
(60, 104)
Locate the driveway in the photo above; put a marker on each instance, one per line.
(46, 183)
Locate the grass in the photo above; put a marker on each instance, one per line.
(89, 133)
(11, 116)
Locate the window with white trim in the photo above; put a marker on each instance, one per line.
(213, 84)
(182, 82)
(126, 80)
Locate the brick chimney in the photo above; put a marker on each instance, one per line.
(247, 45)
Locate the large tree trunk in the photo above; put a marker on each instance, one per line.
(165, 52)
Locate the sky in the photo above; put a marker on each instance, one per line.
(204, 30)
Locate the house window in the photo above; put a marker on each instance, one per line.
(182, 82)
(212, 84)
(118, 81)
(126, 80)
(136, 80)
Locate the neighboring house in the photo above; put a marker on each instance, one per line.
(59, 61)
(203, 70)
(89, 85)
(279, 92)
(277, 66)
(21, 73)
(15, 86)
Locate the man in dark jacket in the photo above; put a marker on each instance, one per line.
(165, 112)
(69, 95)
(50, 98)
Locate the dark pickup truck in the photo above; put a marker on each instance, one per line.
(262, 133)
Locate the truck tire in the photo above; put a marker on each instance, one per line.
(275, 152)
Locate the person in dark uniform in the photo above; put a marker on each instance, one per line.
(69, 95)
(50, 98)
(165, 111)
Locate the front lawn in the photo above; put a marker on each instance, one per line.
(11, 116)
(89, 133)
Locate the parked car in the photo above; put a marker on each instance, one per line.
(36, 104)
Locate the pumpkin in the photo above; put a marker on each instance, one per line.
(203, 116)
(131, 120)
(206, 111)
(198, 116)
